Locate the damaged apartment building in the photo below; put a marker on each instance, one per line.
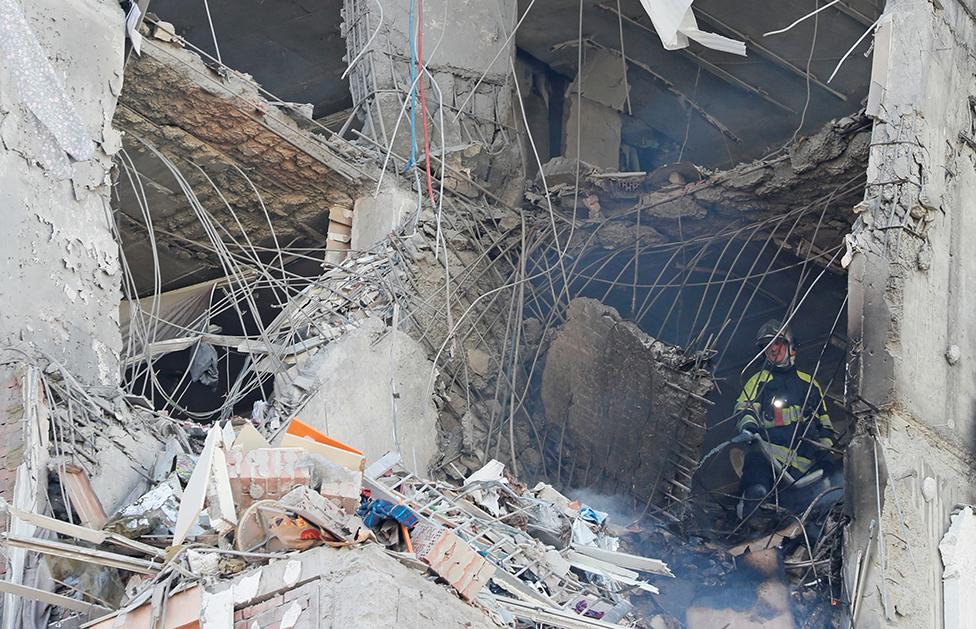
(407, 314)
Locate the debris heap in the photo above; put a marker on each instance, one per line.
(241, 523)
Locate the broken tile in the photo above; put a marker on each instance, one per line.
(452, 559)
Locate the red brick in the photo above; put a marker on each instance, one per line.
(298, 593)
(452, 559)
(275, 470)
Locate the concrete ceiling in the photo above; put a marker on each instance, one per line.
(294, 49)
(759, 98)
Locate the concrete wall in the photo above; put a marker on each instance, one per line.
(374, 218)
(912, 313)
(60, 263)
(617, 406)
(369, 390)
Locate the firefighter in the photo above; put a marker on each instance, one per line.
(782, 412)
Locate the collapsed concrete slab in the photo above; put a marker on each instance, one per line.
(369, 389)
(321, 587)
(255, 166)
(624, 412)
(805, 195)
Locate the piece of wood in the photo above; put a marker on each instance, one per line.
(88, 555)
(83, 498)
(625, 560)
(51, 598)
(65, 528)
(300, 429)
(195, 494)
(550, 615)
(599, 566)
(345, 458)
(223, 514)
(84, 533)
(382, 466)
(182, 612)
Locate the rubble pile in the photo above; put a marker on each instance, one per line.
(228, 503)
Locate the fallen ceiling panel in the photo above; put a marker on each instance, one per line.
(208, 157)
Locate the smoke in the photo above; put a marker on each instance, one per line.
(620, 509)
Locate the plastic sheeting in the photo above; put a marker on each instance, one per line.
(176, 314)
(675, 24)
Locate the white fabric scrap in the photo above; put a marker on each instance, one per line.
(493, 471)
(582, 534)
(675, 24)
(203, 564)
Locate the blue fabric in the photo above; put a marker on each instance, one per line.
(592, 515)
(375, 512)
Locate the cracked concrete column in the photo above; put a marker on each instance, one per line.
(60, 76)
(911, 316)
(460, 42)
(594, 104)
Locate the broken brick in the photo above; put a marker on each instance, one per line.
(452, 559)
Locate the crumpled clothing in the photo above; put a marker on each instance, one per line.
(204, 367)
(592, 515)
(375, 512)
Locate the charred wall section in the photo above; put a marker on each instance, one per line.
(624, 413)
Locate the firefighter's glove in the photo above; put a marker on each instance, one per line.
(749, 433)
(748, 429)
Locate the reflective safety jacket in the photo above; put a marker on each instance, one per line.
(777, 404)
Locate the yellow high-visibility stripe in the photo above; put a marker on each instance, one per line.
(788, 458)
(751, 389)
